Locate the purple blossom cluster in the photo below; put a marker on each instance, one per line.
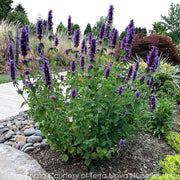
(83, 45)
(128, 76)
(11, 52)
(153, 104)
(90, 37)
(107, 72)
(69, 26)
(76, 38)
(47, 76)
(110, 15)
(24, 41)
(82, 62)
(102, 31)
(151, 82)
(56, 41)
(114, 38)
(128, 40)
(12, 70)
(39, 29)
(73, 66)
(120, 90)
(73, 93)
(49, 21)
(92, 50)
(153, 60)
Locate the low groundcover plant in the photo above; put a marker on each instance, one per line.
(105, 101)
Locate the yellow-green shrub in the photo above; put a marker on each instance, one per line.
(173, 139)
(164, 177)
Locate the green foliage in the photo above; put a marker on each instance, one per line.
(162, 118)
(97, 26)
(61, 29)
(164, 177)
(18, 17)
(88, 29)
(159, 28)
(173, 139)
(171, 22)
(74, 27)
(5, 8)
(19, 8)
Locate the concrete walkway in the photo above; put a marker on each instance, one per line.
(10, 100)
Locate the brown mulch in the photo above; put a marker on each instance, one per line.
(137, 160)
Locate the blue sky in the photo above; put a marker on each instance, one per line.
(144, 12)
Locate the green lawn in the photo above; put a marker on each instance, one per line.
(4, 78)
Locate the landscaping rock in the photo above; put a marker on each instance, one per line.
(16, 165)
(19, 138)
(29, 132)
(34, 139)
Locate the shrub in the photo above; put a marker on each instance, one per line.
(142, 46)
(162, 118)
(166, 47)
(173, 139)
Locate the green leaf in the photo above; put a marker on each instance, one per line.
(23, 104)
(71, 149)
(65, 157)
(87, 162)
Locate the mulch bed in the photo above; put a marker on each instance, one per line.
(137, 160)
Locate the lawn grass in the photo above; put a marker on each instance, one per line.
(4, 78)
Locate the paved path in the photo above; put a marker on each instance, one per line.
(10, 100)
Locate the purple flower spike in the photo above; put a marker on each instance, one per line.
(134, 75)
(24, 42)
(49, 22)
(11, 52)
(69, 26)
(83, 45)
(120, 90)
(129, 73)
(90, 66)
(136, 66)
(12, 69)
(73, 65)
(89, 76)
(53, 96)
(151, 82)
(119, 75)
(107, 72)
(73, 93)
(82, 61)
(56, 41)
(76, 38)
(137, 94)
(46, 70)
(114, 39)
(90, 37)
(92, 50)
(62, 78)
(122, 142)
(126, 112)
(102, 31)
(153, 60)
(110, 14)
(153, 104)
(39, 29)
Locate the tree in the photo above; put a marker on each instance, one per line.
(18, 17)
(61, 28)
(172, 22)
(97, 26)
(19, 8)
(88, 29)
(74, 27)
(159, 28)
(5, 8)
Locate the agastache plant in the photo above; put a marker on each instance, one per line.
(110, 15)
(39, 29)
(90, 37)
(24, 42)
(153, 104)
(76, 38)
(69, 26)
(12, 70)
(49, 21)
(153, 60)
(47, 76)
(82, 62)
(56, 41)
(83, 45)
(11, 52)
(92, 50)
(102, 31)
(114, 39)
